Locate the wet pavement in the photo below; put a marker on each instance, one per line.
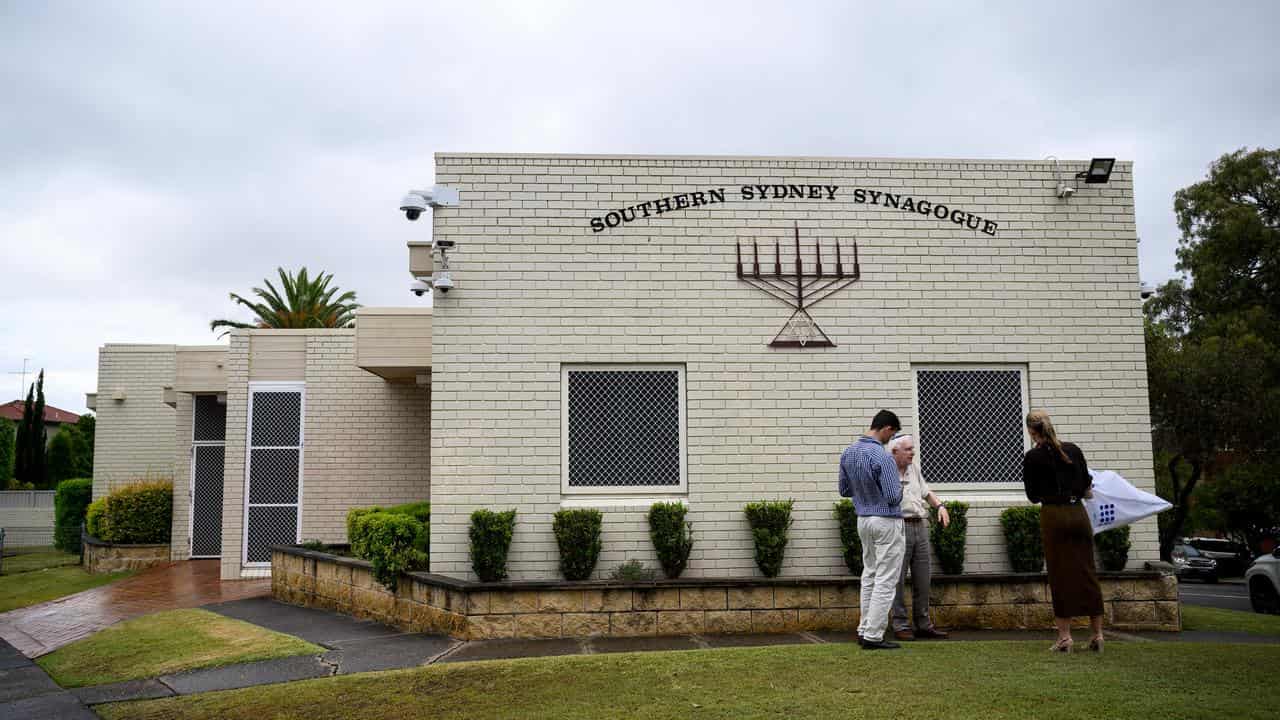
(26, 691)
(43, 628)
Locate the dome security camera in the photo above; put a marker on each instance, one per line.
(443, 282)
(418, 200)
(412, 205)
(419, 287)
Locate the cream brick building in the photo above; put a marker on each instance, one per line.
(600, 349)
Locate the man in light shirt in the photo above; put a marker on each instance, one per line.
(917, 498)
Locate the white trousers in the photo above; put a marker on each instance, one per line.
(883, 542)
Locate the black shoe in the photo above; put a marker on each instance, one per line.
(879, 645)
(931, 634)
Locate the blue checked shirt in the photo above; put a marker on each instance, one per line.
(869, 477)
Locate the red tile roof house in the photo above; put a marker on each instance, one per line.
(54, 418)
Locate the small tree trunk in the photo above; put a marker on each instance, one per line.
(1181, 506)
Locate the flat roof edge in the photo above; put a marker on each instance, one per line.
(761, 158)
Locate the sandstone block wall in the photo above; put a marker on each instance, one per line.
(425, 603)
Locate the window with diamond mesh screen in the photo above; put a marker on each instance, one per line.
(275, 455)
(270, 525)
(210, 421)
(624, 428)
(970, 425)
(276, 418)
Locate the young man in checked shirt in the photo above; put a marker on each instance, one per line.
(869, 476)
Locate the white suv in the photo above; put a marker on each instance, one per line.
(1263, 578)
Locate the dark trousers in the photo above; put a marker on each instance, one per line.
(916, 560)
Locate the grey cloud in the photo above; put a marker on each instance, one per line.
(158, 156)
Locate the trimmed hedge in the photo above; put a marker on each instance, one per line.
(1022, 541)
(850, 542)
(1113, 547)
(389, 541)
(394, 540)
(136, 514)
(70, 503)
(93, 517)
(672, 536)
(578, 535)
(490, 542)
(769, 521)
(949, 542)
(420, 511)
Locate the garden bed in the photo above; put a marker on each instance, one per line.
(424, 602)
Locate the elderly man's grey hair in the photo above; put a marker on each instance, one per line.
(898, 441)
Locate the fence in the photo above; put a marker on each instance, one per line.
(27, 517)
(26, 499)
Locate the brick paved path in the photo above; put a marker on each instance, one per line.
(43, 628)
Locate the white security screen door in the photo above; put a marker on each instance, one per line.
(273, 469)
(208, 451)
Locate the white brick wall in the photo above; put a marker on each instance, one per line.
(1054, 290)
(367, 441)
(134, 437)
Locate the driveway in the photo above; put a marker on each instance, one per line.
(1224, 595)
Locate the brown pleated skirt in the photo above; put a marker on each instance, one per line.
(1068, 556)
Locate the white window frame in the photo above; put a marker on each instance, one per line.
(265, 386)
(191, 490)
(954, 488)
(632, 490)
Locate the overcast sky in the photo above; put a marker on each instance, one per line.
(158, 155)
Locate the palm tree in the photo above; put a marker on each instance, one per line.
(306, 303)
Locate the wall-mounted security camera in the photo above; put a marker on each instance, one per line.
(442, 281)
(419, 287)
(1146, 290)
(416, 201)
(1065, 191)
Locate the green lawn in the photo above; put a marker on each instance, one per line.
(30, 559)
(167, 642)
(37, 586)
(1204, 618)
(987, 680)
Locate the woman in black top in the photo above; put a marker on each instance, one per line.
(1056, 475)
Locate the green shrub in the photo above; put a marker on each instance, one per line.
(136, 514)
(578, 535)
(769, 521)
(391, 543)
(850, 543)
(313, 544)
(672, 536)
(420, 511)
(948, 542)
(633, 571)
(1021, 527)
(490, 542)
(1113, 547)
(94, 516)
(70, 501)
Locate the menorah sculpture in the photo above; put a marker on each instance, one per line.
(800, 289)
